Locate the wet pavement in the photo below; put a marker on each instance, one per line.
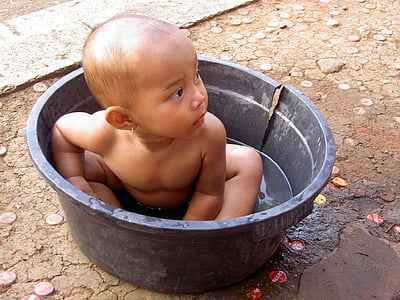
(345, 56)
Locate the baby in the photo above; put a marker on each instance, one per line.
(154, 139)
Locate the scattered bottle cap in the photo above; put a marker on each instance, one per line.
(3, 150)
(39, 87)
(340, 182)
(54, 219)
(7, 217)
(277, 276)
(253, 293)
(31, 297)
(306, 83)
(388, 196)
(320, 199)
(377, 219)
(366, 102)
(284, 240)
(354, 38)
(216, 29)
(7, 278)
(297, 245)
(359, 110)
(44, 288)
(396, 229)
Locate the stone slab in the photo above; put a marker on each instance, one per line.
(47, 41)
(364, 267)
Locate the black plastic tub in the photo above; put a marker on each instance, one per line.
(193, 256)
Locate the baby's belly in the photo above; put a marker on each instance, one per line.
(161, 198)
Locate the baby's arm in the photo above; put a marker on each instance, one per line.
(72, 134)
(207, 198)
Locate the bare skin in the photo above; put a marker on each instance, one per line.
(164, 145)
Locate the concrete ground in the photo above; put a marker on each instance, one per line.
(343, 54)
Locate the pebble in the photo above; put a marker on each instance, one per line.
(285, 15)
(320, 199)
(236, 21)
(306, 83)
(352, 50)
(216, 29)
(334, 13)
(298, 7)
(396, 65)
(379, 37)
(377, 219)
(340, 182)
(330, 65)
(332, 22)
(7, 217)
(39, 87)
(321, 95)
(273, 24)
(344, 86)
(296, 72)
(253, 293)
(226, 57)
(259, 35)
(247, 20)
(350, 142)
(278, 276)
(387, 32)
(243, 11)
(31, 297)
(7, 278)
(335, 171)
(44, 288)
(266, 67)
(366, 102)
(359, 110)
(370, 5)
(3, 150)
(22, 132)
(354, 38)
(54, 219)
(325, 1)
(237, 36)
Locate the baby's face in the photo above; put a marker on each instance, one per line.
(171, 100)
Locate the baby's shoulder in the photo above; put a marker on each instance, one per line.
(214, 128)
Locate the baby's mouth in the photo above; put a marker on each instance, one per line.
(200, 121)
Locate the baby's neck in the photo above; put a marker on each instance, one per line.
(149, 141)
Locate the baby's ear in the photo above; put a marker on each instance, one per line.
(117, 118)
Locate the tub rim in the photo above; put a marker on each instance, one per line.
(128, 219)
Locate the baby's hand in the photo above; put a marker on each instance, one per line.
(81, 183)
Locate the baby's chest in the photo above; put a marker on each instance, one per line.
(152, 172)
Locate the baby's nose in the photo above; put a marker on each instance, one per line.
(198, 100)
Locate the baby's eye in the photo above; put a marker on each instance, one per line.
(197, 75)
(177, 94)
